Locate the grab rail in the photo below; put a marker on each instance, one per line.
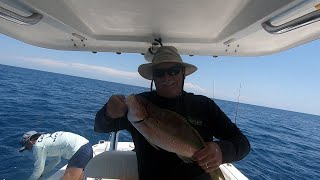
(114, 138)
(304, 20)
(16, 18)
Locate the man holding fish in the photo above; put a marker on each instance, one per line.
(173, 130)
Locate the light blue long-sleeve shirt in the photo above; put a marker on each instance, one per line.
(55, 145)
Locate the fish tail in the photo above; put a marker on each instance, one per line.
(217, 175)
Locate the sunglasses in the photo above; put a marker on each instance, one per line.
(172, 71)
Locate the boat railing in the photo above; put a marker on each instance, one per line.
(114, 143)
(114, 138)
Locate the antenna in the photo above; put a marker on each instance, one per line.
(213, 90)
(235, 118)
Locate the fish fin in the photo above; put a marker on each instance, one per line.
(185, 159)
(217, 175)
(153, 145)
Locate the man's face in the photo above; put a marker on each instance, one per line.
(29, 145)
(168, 79)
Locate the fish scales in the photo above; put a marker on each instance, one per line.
(165, 129)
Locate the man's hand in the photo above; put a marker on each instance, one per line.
(116, 106)
(209, 158)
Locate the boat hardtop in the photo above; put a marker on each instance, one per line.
(208, 27)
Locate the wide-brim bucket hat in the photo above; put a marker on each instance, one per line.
(165, 54)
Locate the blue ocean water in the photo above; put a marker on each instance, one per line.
(285, 145)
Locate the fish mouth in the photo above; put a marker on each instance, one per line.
(130, 99)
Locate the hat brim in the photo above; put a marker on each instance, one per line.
(22, 149)
(32, 134)
(145, 70)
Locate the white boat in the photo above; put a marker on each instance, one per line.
(208, 28)
(116, 160)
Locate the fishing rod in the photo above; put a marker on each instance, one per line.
(213, 91)
(235, 118)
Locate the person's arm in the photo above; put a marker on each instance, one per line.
(40, 155)
(233, 143)
(52, 164)
(104, 122)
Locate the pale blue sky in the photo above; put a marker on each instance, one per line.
(287, 80)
